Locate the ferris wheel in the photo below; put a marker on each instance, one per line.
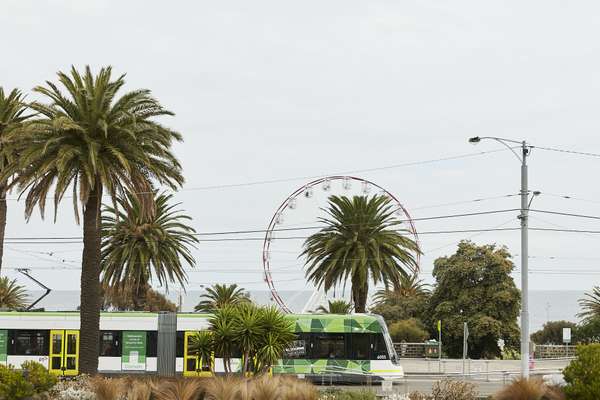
(309, 191)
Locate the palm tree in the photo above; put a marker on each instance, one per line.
(12, 296)
(360, 242)
(279, 335)
(90, 141)
(590, 305)
(137, 246)
(221, 295)
(248, 330)
(128, 298)
(222, 325)
(202, 346)
(409, 287)
(336, 307)
(12, 109)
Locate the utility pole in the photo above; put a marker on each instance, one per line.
(524, 264)
(523, 217)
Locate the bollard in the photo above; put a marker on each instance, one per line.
(487, 370)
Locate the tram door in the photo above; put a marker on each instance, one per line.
(64, 352)
(193, 365)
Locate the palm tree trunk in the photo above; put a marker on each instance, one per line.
(2, 222)
(90, 283)
(359, 296)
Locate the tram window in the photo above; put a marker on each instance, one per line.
(328, 346)
(179, 344)
(151, 343)
(380, 351)
(110, 343)
(298, 349)
(360, 346)
(29, 343)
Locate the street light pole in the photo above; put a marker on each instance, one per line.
(523, 217)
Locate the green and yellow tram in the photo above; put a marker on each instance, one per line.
(343, 348)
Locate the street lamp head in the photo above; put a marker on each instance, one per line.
(475, 139)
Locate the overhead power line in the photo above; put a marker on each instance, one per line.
(310, 177)
(581, 153)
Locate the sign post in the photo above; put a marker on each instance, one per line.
(3, 346)
(567, 338)
(134, 351)
(439, 327)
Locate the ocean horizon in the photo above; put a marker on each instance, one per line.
(544, 305)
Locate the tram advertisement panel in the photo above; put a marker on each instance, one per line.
(134, 351)
(3, 345)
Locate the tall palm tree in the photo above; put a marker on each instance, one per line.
(361, 241)
(222, 326)
(336, 307)
(409, 287)
(12, 115)
(221, 295)
(137, 246)
(91, 141)
(590, 305)
(12, 296)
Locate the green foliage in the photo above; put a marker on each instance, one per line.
(219, 296)
(38, 376)
(137, 246)
(13, 385)
(202, 345)
(336, 307)
(590, 305)
(408, 330)
(12, 296)
(552, 333)
(474, 286)
(361, 241)
(406, 301)
(583, 374)
(261, 334)
(139, 299)
(222, 326)
(589, 331)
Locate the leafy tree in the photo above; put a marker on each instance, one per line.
(202, 345)
(128, 298)
(408, 330)
(219, 296)
(589, 331)
(336, 307)
(137, 246)
(90, 141)
(583, 374)
(474, 286)
(552, 333)
(361, 242)
(590, 305)
(12, 109)
(12, 296)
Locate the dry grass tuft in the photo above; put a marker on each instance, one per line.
(140, 390)
(106, 388)
(448, 389)
(265, 388)
(178, 389)
(529, 389)
(225, 388)
(296, 389)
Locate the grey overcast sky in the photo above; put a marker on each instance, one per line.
(277, 89)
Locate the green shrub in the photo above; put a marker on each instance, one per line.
(38, 376)
(13, 386)
(408, 330)
(583, 374)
